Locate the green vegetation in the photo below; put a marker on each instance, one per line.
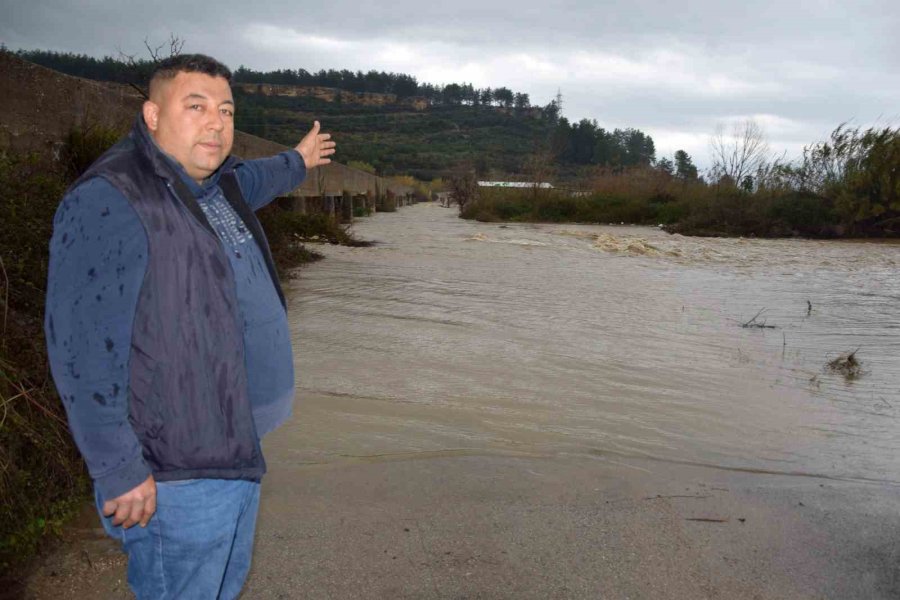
(136, 71)
(42, 479)
(586, 143)
(129, 70)
(396, 139)
(361, 166)
(82, 65)
(848, 186)
(495, 142)
(288, 230)
(361, 211)
(497, 132)
(41, 473)
(555, 206)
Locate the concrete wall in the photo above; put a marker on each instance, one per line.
(39, 107)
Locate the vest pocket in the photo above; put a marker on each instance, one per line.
(145, 400)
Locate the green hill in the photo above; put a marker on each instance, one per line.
(401, 126)
(397, 139)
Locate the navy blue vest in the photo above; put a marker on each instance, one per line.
(187, 399)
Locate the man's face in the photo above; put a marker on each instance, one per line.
(191, 117)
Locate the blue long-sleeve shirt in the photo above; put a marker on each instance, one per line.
(99, 249)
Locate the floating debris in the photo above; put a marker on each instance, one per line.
(754, 323)
(707, 520)
(847, 365)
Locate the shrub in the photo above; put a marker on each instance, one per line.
(556, 206)
(286, 231)
(361, 210)
(42, 477)
(802, 212)
(85, 145)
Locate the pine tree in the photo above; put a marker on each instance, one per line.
(684, 167)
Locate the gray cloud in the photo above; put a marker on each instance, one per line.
(673, 70)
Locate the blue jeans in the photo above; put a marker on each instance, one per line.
(198, 544)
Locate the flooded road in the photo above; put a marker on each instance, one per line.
(452, 336)
(543, 411)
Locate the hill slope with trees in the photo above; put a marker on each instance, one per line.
(416, 128)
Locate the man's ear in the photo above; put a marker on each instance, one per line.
(151, 115)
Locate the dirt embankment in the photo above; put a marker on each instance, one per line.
(333, 95)
(39, 106)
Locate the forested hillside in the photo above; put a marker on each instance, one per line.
(398, 140)
(495, 131)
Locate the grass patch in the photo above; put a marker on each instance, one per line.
(360, 211)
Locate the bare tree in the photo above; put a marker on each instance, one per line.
(157, 53)
(540, 167)
(140, 68)
(463, 188)
(739, 153)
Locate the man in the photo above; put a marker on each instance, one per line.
(167, 334)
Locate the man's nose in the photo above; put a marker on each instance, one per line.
(217, 121)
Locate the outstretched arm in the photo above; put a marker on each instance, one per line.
(264, 179)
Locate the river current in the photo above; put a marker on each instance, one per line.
(604, 341)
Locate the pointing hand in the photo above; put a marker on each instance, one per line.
(315, 146)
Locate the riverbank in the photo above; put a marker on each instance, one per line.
(692, 208)
(844, 187)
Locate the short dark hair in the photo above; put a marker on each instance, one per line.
(190, 63)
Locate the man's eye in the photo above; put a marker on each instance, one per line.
(227, 112)
(196, 107)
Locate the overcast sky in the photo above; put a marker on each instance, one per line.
(672, 69)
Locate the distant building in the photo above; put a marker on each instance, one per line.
(514, 184)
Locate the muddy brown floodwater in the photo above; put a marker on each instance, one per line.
(587, 340)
